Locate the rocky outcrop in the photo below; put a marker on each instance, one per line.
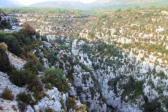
(15, 61)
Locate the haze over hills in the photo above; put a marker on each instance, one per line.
(9, 3)
(100, 3)
(60, 4)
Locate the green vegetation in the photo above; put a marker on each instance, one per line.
(24, 99)
(56, 79)
(49, 110)
(132, 89)
(19, 43)
(12, 42)
(27, 75)
(22, 77)
(40, 10)
(153, 106)
(4, 61)
(5, 24)
(51, 56)
(33, 65)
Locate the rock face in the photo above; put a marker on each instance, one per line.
(6, 105)
(53, 101)
(123, 80)
(5, 83)
(15, 61)
(102, 75)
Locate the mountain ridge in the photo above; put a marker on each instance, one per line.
(98, 4)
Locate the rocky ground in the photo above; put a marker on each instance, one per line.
(102, 74)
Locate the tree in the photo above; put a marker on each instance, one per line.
(28, 28)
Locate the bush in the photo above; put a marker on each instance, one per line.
(35, 85)
(22, 106)
(132, 89)
(24, 98)
(5, 24)
(12, 42)
(51, 56)
(39, 95)
(153, 106)
(44, 38)
(49, 110)
(7, 94)
(37, 88)
(21, 78)
(4, 46)
(4, 61)
(55, 78)
(71, 103)
(28, 28)
(18, 41)
(13, 45)
(34, 65)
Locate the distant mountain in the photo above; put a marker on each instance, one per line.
(107, 4)
(102, 4)
(8, 3)
(61, 4)
(127, 1)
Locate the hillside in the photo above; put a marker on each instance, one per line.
(131, 62)
(115, 62)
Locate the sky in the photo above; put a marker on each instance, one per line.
(29, 2)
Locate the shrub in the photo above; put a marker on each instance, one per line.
(132, 89)
(13, 45)
(44, 38)
(4, 61)
(7, 94)
(4, 46)
(71, 103)
(28, 28)
(21, 78)
(51, 56)
(55, 78)
(5, 24)
(35, 85)
(153, 106)
(12, 42)
(34, 65)
(18, 41)
(39, 95)
(49, 110)
(25, 98)
(22, 106)
(23, 37)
